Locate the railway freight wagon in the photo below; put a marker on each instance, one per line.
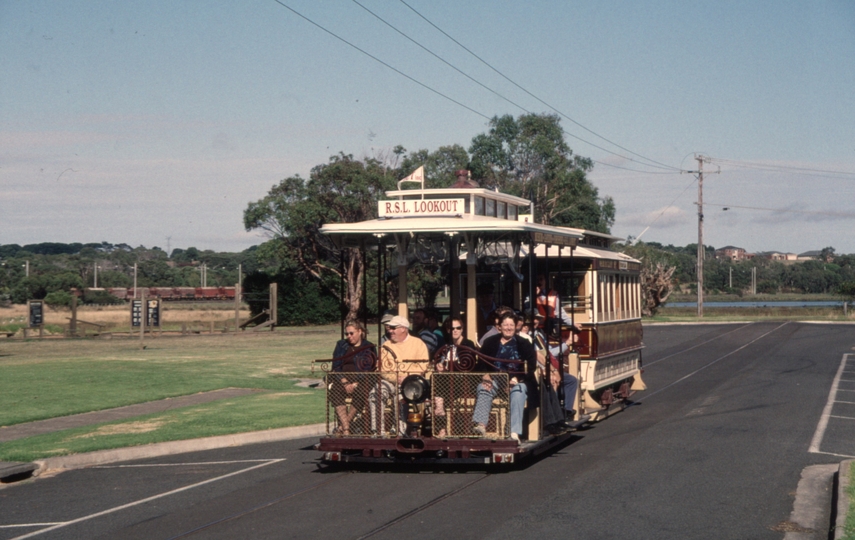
(582, 298)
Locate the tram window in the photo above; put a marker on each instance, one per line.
(479, 206)
(466, 206)
(491, 208)
(502, 210)
(512, 212)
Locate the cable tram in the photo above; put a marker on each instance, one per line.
(460, 404)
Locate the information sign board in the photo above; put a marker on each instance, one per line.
(37, 313)
(136, 311)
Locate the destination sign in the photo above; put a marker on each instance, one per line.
(421, 207)
(553, 239)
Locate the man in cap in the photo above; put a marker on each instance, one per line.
(397, 357)
(398, 354)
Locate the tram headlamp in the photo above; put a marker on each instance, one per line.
(415, 389)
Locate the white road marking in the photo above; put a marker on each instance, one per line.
(648, 396)
(826, 412)
(648, 364)
(188, 464)
(147, 499)
(838, 455)
(846, 402)
(30, 525)
(843, 417)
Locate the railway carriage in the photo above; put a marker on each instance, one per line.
(482, 240)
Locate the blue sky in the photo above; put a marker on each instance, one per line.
(134, 122)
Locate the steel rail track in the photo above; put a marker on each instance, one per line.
(258, 507)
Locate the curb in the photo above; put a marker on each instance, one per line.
(843, 480)
(102, 457)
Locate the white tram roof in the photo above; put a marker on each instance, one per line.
(445, 225)
(579, 251)
(451, 211)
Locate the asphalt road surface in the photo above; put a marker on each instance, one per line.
(713, 449)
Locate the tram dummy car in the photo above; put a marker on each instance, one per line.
(483, 240)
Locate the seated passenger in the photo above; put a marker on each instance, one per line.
(396, 362)
(421, 329)
(508, 346)
(347, 360)
(493, 323)
(453, 332)
(569, 383)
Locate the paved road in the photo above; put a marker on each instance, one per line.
(714, 449)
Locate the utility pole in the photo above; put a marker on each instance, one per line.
(700, 160)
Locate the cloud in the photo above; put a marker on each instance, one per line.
(669, 216)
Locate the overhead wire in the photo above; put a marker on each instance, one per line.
(366, 53)
(496, 93)
(692, 183)
(785, 210)
(657, 164)
(783, 168)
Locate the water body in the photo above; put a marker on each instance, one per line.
(756, 304)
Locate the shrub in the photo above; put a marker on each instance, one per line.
(58, 299)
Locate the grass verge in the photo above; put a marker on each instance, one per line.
(849, 531)
(51, 378)
(293, 407)
(738, 314)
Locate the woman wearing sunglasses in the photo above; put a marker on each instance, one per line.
(347, 359)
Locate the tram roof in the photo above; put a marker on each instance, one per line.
(579, 251)
(447, 225)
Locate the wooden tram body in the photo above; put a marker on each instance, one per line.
(479, 237)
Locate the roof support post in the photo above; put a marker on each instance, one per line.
(454, 255)
(401, 247)
(471, 284)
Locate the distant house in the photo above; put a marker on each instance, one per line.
(733, 253)
(777, 256)
(813, 255)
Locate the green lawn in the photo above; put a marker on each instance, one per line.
(295, 407)
(48, 378)
(738, 314)
(850, 515)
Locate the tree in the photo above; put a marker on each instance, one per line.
(657, 275)
(344, 190)
(440, 165)
(529, 157)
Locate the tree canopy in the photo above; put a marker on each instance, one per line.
(529, 157)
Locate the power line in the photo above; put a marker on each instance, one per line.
(423, 85)
(496, 93)
(782, 168)
(785, 210)
(692, 183)
(657, 163)
(366, 53)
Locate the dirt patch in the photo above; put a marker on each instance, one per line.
(789, 526)
(123, 429)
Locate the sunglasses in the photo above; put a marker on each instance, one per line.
(350, 333)
(457, 328)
